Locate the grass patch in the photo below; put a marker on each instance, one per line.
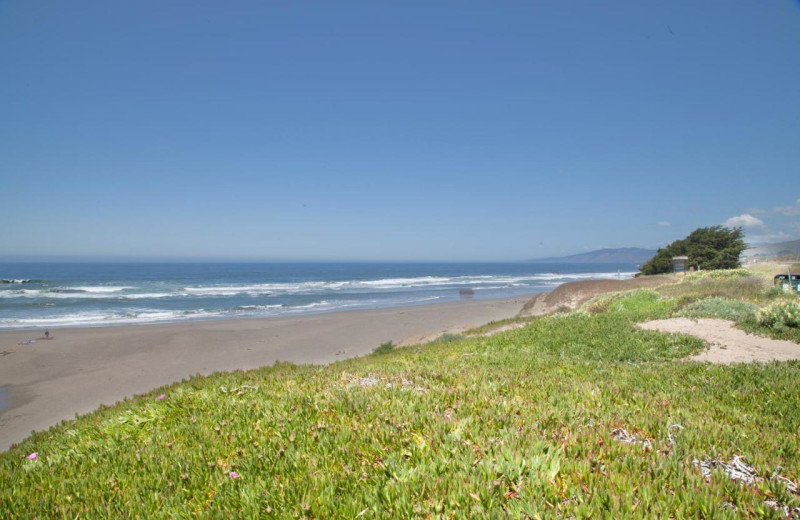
(446, 338)
(717, 274)
(748, 288)
(516, 425)
(722, 308)
(636, 305)
(494, 325)
(767, 270)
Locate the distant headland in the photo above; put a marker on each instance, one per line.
(633, 255)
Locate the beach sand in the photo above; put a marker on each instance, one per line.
(81, 368)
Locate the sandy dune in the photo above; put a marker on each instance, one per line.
(570, 296)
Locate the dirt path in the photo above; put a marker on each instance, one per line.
(727, 344)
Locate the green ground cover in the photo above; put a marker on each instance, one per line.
(527, 423)
(722, 308)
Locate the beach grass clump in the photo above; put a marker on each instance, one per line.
(578, 415)
(722, 308)
(383, 348)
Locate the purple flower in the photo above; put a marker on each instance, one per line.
(33, 456)
(233, 474)
(162, 397)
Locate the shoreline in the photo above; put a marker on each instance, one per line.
(80, 369)
(37, 330)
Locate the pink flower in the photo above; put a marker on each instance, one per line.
(33, 456)
(162, 397)
(233, 474)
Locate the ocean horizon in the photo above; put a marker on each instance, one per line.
(93, 294)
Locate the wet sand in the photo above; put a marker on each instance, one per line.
(5, 397)
(81, 368)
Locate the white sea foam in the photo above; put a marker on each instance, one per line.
(134, 316)
(313, 305)
(313, 287)
(100, 288)
(88, 319)
(388, 283)
(266, 288)
(139, 296)
(66, 295)
(419, 300)
(93, 318)
(20, 293)
(259, 307)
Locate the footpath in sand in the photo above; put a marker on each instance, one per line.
(727, 344)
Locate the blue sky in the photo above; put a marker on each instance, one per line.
(393, 130)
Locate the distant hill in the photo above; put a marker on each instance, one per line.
(790, 248)
(621, 255)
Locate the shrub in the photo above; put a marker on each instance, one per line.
(780, 314)
(383, 348)
(715, 247)
(724, 308)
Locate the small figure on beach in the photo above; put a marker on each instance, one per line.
(47, 334)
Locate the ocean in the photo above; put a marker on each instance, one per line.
(52, 295)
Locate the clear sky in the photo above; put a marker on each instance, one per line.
(372, 130)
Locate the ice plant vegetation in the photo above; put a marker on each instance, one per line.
(576, 415)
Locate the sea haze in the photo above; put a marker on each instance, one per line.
(49, 295)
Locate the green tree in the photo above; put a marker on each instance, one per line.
(715, 247)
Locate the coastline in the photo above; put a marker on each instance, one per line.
(82, 368)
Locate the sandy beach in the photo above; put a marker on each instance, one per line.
(79, 369)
